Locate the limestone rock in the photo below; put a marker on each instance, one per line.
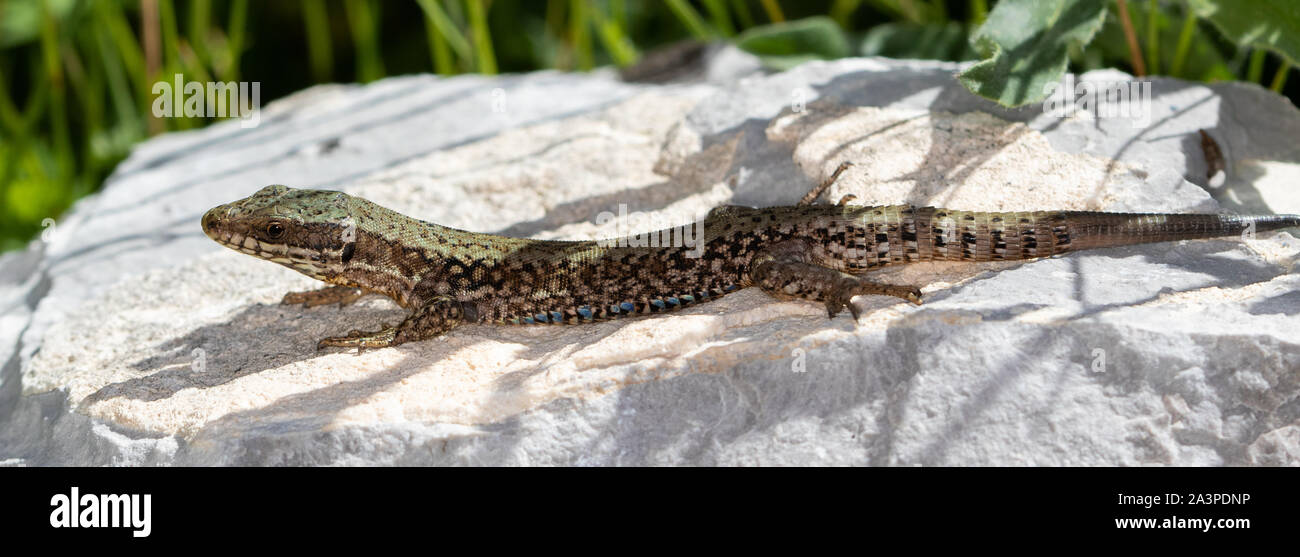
(131, 339)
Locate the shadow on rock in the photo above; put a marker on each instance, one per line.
(259, 338)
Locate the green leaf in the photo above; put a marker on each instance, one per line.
(1272, 24)
(1026, 43)
(20, 20)
(785, 45)
(918, 41)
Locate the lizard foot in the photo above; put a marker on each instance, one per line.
(341, 295)
(841, 295)
(816, 192)
(428, 321)
(778, 274)
(362, 340)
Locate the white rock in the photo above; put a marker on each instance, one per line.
(131, 339)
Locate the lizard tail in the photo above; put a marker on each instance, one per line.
(1099, 230)
(987, 236)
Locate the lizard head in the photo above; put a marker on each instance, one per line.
(310, 231)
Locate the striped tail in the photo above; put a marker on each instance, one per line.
(980, 236)
(1100, 230)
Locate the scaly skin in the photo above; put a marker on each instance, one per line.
(446, 277)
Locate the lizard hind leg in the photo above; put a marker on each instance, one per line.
(796, 279)
(817, 190)
(427, 321)
(362, 340)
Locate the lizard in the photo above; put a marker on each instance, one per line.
(817, 252)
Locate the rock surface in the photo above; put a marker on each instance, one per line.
(131, 339)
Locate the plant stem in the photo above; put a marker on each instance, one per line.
(581, 34)
(1255, 71)
(153, 60)
(235, 38)
(319, 50)
(979, 11)
(721, 19)
(58, 107)
(127, 113)
(487, 61)
(842, 9)
(555, 18)
(690, 18)
(1279, 79)
(1184, 44)
(447, 29)
(365, 30)
(439, 52)
(125, 43)
(200, 27)
(773, 11)
(742, 13)
(1153, 36)
(1134, 51)
(611, 35)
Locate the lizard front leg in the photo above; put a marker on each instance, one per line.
(341, 295)
(427, 321)
(790, 278)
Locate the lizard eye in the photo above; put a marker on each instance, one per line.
(275, 230)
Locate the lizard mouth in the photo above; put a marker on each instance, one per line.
(305, 261)
(216, 229)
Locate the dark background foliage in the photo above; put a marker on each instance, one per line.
(77, 74)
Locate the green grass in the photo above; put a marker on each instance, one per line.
(77, 75)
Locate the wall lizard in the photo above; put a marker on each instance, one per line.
(815, 252)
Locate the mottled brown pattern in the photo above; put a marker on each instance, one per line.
(812, 252)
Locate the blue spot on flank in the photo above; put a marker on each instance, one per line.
(730, 288)
(704, 293)
(627, 306)
(658, 303)
(688, 299)
(674, 301)
(613, 309)
(585, 312)
(541, 318)
(528, 320)
(557, 316)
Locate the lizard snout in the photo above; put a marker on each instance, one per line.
(209, 221)
(214, 225)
